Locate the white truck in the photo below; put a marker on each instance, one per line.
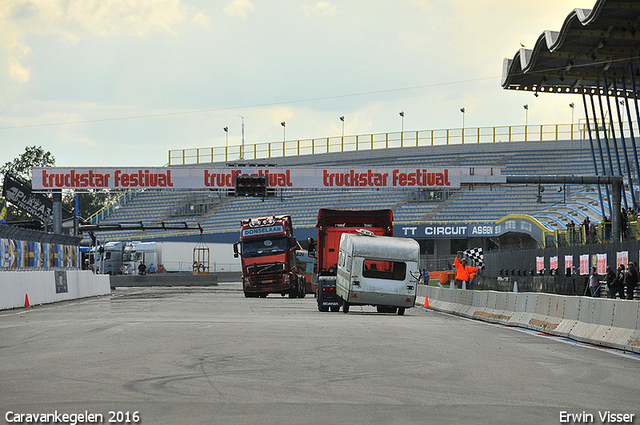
(178, 256)
(377, 270)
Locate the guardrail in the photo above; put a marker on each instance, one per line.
(606, 322)
(265, 150)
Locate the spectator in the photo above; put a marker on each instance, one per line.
(160, 269)
(610, 280)
(585, 229)
(129, 270)
(594, 282)
(592, 232)
(631, 279)
(152, 268)
(618, 283)
(425, 276)
(463, 272)
(142, 268)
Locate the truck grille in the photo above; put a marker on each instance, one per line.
(266, 274)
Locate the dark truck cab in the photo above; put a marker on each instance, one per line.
(267, 249)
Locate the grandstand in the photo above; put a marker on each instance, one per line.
(219, 215)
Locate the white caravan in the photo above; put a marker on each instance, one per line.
(377, 270)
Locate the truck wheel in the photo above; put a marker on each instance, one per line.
(345, 307)
(400, 311)
(303, 289)
(293, 294)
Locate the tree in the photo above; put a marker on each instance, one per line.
(90, 202)
(33, 156)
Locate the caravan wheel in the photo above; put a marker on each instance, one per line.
(345, 307)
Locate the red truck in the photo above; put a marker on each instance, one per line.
(267, 249)
(331, 225)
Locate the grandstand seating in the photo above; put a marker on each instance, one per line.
(483, 203)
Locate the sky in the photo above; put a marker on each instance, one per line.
(121, 82)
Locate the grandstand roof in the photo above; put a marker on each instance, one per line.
(603, 42)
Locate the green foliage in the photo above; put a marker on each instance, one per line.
(89, 203)
(33, 156)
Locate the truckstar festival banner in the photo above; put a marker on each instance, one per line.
(292, 178)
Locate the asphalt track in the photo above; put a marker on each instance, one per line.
(176, 355)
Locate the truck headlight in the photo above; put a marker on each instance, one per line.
(245, 281)
(287, 278)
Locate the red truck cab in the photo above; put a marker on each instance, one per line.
(331, 225)
(267, 249)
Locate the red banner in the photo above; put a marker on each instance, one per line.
(293, 178)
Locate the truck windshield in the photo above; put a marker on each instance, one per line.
(259, 247)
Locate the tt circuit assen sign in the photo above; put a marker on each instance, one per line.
(292, 178)
(446, 230)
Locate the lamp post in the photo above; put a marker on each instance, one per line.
(284, 130)
(526, 115)
(463, 112)
(572, 106)
(402, 121)
(242, 146)
(342, 119)
(226, 142)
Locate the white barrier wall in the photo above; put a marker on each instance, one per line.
(601, 321)
(49, 286)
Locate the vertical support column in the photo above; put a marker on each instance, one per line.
(604, 130)
(593, 152)
(633, 140)
(57, 212)
(622, 140)
(604, 167)
(616, 189)
(613, 135)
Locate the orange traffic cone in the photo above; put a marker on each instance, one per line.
(26, 300)
(426, 301)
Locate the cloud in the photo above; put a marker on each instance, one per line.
(137, 17)
(74, 20)
(201, 19)
(239, 8)
(320, 8)
(17, 71)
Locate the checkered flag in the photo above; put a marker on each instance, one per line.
(476, 255)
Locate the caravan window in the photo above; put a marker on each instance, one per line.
(389, 270)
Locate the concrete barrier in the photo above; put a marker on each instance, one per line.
(600, 321)
(49, 286)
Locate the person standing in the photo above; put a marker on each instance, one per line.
(610, 280)
(425, 276)
(142, 268)
(594, 282)
(618, 283)
(631, 279)
(463, 272)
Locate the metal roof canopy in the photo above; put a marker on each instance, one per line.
(603, 42)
